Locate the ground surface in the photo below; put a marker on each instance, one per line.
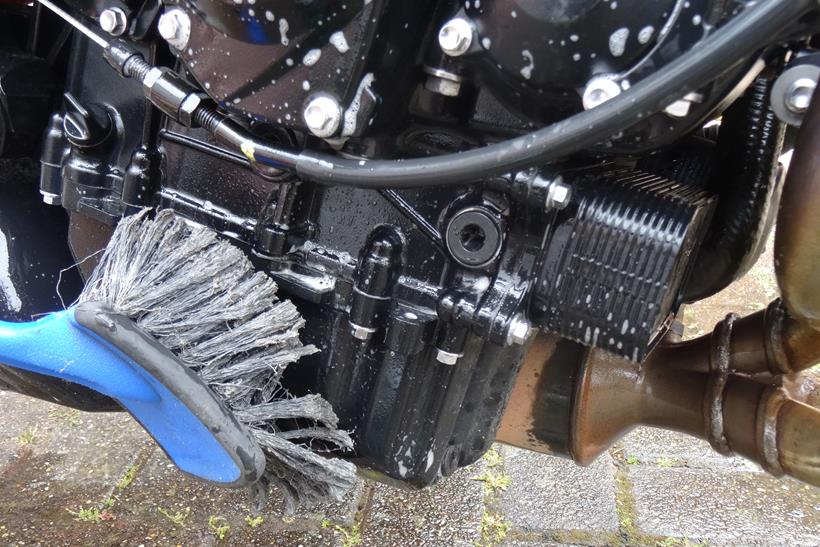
(68, 478)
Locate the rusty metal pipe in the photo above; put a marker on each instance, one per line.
(733, 387)
(797, 245)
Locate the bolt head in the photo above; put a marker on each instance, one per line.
(323, 115)
(114, 21)
(599, 90)
(519, 330)
(798, 97)
(175, 28)
(51, 199)
(446, 357)
(558, 195)
(455, 37)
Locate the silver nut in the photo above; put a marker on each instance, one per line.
(799, 94)
(323, 115)
(447, 357)
(188, 107)
(114, 21)
(559, 195)
(175, 27)
(361, 333)
(455, 37)
(599, 90)
(519, 330)
(51, 199)
(448, 88)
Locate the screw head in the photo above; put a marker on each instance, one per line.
(798, 97)
(323, 115)
(455, 37)
(599, 90)
(175, 28)
(114, 21)
(519, 330)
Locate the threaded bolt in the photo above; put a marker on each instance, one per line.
(175, 28)
(455, 37)
(114, 21)
(599, 90)
(799, 95)
(323, 115)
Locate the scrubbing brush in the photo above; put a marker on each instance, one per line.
(169, 310)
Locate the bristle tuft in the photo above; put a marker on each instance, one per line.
(201, 298)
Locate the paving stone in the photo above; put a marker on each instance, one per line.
(650, 444)
(726, 508)
(548, 493)
(160, 490)
(445, 514)
(73, 461)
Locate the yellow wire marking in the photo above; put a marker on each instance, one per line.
(248, 149)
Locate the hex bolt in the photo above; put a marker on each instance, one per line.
(175, 28)
(447, 357)
(114, 21)
(323, 115)
(798, 97)
(455, 37)
(599, 90)
(559, 195)
(519, 330)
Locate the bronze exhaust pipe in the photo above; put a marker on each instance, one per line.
(797, 241)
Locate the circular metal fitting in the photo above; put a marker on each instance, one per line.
(599, 90)
(518, 331)
(323, 115)
(175, 28)
(446, 357)
(114, 21)
(473, 237)
(792, 93)
(798, 96)
(455, 37)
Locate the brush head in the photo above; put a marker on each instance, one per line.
(202, 299)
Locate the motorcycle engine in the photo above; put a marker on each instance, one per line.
(422, 301)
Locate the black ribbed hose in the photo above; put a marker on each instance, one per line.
(747, 180)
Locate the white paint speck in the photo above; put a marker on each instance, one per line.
(284, 27)
(526, 72)
(6, 284)
(486, 42)
(697, 20)
(269, 15)
(338, 40)
(645, 34)
(352, 111)
(311, 57)
(617, 41)
(306, 85)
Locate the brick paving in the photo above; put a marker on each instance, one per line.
(60, 471)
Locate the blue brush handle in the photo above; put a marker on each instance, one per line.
(58, 346)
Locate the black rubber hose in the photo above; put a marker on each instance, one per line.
(737, 40)
(748, 181)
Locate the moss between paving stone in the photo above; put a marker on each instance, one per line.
(628, 531)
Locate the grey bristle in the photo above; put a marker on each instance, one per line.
(201, 298)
